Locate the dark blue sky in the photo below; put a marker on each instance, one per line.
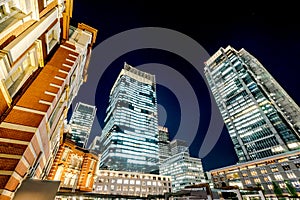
(271, 34)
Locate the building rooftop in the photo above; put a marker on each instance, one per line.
(253, 162)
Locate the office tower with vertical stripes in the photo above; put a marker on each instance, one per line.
(129, 140)
(81, 123)
(163, 143)
(261, 118)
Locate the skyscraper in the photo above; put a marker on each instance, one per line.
(95, 145)
(163, 143)
(178, 146)
(81, 123)
(130, 134)
(184, 169)
(261, 118)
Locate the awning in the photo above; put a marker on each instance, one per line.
(37, 190)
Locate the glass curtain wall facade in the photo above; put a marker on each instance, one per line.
(81, 123)
(129, 140)
(184, 170)
(261, 118)
(178, 146)
(163, 143)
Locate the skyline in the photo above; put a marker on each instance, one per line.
(257, 34)
(194, 97)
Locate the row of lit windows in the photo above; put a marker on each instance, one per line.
(277, 177)
(137, 139)
(133, 189)
(135, 147)
(111, 174)
(134, 182)
(274, 168)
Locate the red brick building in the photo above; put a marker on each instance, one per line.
(41, 70)
(75, 167)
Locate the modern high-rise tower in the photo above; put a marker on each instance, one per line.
(163, 143)
(184, 169)
(130, 134)
(81, 123)
(178, 146)
(261, 118)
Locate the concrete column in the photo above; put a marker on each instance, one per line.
(239, 196)
(261, 195)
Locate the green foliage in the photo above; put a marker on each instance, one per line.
(291, 189)
(277, 189)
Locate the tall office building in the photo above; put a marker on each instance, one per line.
(130, 134)
(163, 143)
(81, 123)
(184, 169)
(42, 66)
(95, 145)
(262, 119)
(178, 146)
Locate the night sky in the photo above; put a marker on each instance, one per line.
(271, 34)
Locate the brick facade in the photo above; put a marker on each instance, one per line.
(34, 92)
(75, 161)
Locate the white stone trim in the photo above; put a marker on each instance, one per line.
(50, 93)
(18, 127)
(38, 135)
(65, 65)
(45, 102)
(2, 155)
(68, 48)
(29, 110)
(63, 71)
(71, 55)
(17, 176)
(55, 30)
(39, 139)
(70, 60)
(4, 172)
(6, 192)
(5, 92)
(25, 162)
(18, 46)
(59, 78)
(54, 85)
(32, 150)
(13, 141)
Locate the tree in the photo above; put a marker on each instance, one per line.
(291, 189)
(277, 189)
(259, 186)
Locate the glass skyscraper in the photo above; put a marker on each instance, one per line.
(262, 119)
(184, 169)
(163, 143)
(81, 123)
(129, 140)
(178, 146)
